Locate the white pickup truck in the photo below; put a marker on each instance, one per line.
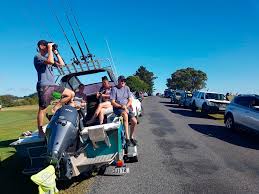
(209, 102)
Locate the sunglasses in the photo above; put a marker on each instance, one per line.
(123, 81)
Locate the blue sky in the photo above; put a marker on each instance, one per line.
(219, 37)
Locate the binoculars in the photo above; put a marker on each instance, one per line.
(54, 46)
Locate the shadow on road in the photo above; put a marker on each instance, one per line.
(234, 137)
(164, 102)
(189, 113)
(12, 180)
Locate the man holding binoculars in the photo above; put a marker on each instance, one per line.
(44, 62)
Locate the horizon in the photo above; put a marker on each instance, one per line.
(220, 38)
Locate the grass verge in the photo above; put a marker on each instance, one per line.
(14, 121)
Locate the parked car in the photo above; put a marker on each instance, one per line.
(176, 96)
(209, 102)
(243, 111)
(145, 94)
(185, 99)
(167, 93)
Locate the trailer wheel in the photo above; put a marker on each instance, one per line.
(102, 170)
(134, 159)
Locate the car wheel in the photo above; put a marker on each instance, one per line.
(102, 170)
(229, 122)
(204, 108)
(194, 108)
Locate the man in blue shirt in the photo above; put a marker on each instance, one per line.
(122, 101)
(44, 63)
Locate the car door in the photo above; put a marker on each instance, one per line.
(241, 110)
(252, 114)
(194, 97)
(201, 99)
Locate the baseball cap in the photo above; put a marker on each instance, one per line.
(121, 77)
(42, 42)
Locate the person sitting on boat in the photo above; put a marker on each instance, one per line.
(121, 100)
(44, 62)
(80, 98)
(104, 106)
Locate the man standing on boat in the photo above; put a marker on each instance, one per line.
(44, 62)
(122, 101)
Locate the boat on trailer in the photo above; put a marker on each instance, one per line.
(70, 145)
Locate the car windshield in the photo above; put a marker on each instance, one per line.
(215, 96)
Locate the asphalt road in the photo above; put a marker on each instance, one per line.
(185, 152)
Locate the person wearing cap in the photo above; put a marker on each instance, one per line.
(122, 101)
(44, 62)
(104, 106)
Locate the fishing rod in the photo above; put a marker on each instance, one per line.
(87, 48)
(77, 60)
(83, 56)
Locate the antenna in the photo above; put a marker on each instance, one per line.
(113, 65)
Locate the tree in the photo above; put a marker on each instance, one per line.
(187, 79)
(10, 100)
(136, 84)
(147, 76)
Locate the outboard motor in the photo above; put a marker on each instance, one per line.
(62, 133)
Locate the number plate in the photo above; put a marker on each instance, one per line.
(120, 170)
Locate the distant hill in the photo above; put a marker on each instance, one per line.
(11, 100)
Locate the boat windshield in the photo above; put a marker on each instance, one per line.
(92, 78)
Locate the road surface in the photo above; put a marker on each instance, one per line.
(185, 152)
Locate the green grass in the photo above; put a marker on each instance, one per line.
(218, 117)
(14, 121)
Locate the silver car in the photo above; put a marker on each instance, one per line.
(243, 111)
(176, 96)
(185, 99)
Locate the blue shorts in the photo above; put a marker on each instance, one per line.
(119, 111)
